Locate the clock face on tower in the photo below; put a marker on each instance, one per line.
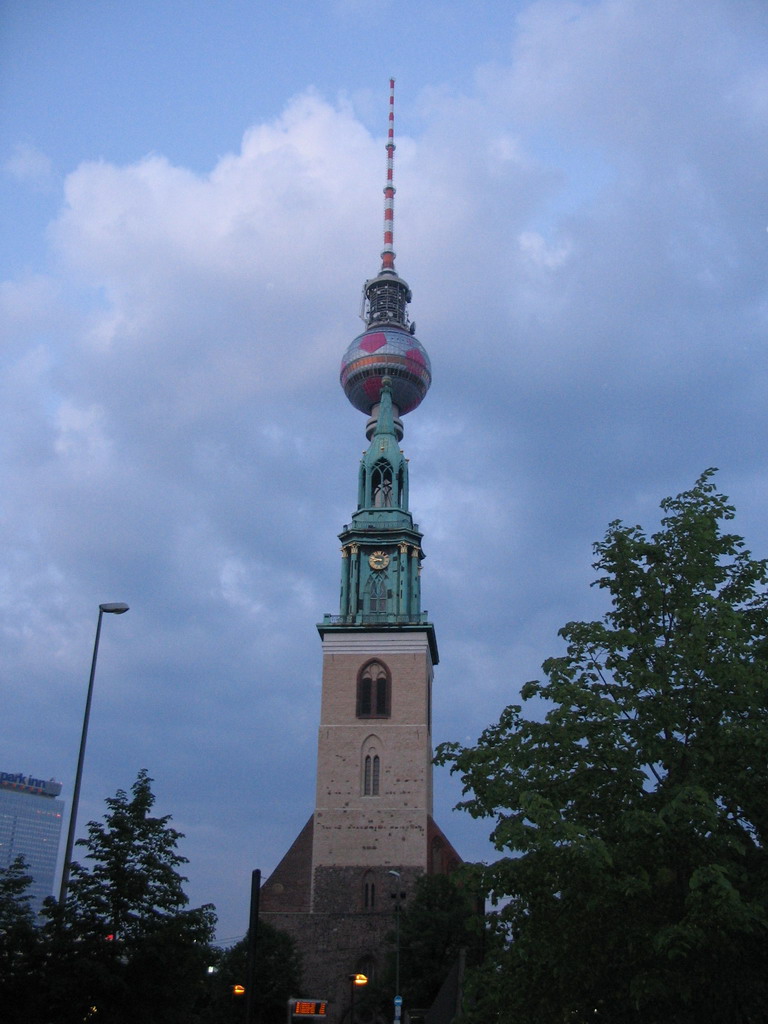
(378, 560)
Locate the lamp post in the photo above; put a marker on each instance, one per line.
(398, 997)
(110, 609)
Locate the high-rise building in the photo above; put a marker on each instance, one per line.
(372, 832)
(30, 826)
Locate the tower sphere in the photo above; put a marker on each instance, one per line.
(386, 351)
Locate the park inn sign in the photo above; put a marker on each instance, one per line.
(29, 784)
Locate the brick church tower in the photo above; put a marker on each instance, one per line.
(372, 832)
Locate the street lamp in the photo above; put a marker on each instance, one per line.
(398, 997)
(110, 609)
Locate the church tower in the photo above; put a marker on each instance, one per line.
(372, 832)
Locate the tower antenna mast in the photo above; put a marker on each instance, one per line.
(388, 252)
(386, 296)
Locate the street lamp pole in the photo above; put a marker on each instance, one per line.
(398, 997)
(114, 609)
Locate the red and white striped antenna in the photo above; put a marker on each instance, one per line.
(386, 296)
(388, 252)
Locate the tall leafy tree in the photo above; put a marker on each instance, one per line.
(277, 974)
(440, 920)
(20, 947)
(634, 801)
(437, 931)
(131, 884)
(125, 947)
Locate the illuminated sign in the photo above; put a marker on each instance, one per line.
(28, 784)
(309, 1007)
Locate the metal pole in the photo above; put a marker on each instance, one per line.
(398, 1001)
(79, 773)
(398, 997)
(253, 926)
(117, 609)
(397, 944)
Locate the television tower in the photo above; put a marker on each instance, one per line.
(371, 834)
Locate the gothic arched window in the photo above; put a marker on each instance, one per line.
(381, 484)
(370, 766)
(377, 591)
(371, 775)
(369, 891)
(373, 691)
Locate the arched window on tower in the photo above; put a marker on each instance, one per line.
(371, 775)
(377, 595)
(370, 766)
(381, 484)
(369, 891)
(373, 691)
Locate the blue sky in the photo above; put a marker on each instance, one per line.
(192, 200)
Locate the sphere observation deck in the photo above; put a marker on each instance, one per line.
(386, 351)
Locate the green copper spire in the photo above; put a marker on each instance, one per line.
(381, 548)
(383, 481)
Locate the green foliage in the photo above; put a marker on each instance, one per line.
(132, 883)
(125, 942)
(277, 976)
(15, 912)
(439, 920)
(19, 954)
(637, 809)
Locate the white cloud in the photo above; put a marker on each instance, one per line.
(28, 164)
(583, 228)
(539, 253)
(81, 440)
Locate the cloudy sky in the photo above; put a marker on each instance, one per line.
(192, 199)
